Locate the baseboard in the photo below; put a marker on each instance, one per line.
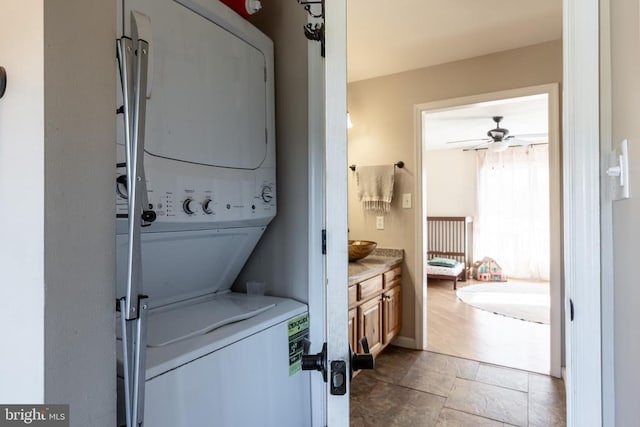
(405, 342)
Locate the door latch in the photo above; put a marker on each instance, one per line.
(318, 362)
(338, 375)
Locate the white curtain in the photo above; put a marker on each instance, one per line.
(512, 218)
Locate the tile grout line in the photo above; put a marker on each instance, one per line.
(475, 415)
(411, 388)
(495, 385)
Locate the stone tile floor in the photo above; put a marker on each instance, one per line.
(420, 388)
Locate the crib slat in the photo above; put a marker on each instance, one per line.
(450, 237)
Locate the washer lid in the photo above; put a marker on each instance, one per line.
(170, 325)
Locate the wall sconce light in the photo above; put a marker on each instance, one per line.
(349, 122)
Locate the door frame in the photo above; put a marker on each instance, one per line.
(581, 167)
(582, 255)
(555, 214)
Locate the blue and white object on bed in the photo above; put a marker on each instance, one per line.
(445, 268)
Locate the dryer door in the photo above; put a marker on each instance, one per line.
(208, 97)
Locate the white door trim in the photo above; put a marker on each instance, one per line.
(555, 182)
(606, 222)
(581, 161)
(335, 131)
(317, 277)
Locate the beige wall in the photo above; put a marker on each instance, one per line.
(625, 73)
(382, 111)
(281, 257)
(451, 182)
(79, 210)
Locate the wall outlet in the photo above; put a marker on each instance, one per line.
(406, 200)
(379, 223)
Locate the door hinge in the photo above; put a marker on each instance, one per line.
(324, 242)
(570, 309)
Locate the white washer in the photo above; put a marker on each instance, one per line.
(236, 375)
(214, 357)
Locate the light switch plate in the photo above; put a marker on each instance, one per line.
(406, 200)
(379, 223)
(618, 172)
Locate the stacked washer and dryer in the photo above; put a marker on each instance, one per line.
(213, 357)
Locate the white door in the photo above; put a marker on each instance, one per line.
(582, 228)
(335, 202)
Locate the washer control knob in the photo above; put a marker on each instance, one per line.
(266, 194)
(206, 206)
(188, 207)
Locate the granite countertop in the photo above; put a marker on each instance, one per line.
(378, 262)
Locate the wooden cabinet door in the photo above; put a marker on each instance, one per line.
(392, 312)
(370, 324)
(353, 329)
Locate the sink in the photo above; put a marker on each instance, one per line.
(359, 249)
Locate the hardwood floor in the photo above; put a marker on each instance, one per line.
(461, 330)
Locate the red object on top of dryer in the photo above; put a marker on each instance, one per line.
(245, 8)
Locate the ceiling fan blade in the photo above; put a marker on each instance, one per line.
(468, 140)
(483, 145)
(529, 135)
(520, 142)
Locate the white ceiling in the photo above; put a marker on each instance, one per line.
(386, 37)
(522, 116)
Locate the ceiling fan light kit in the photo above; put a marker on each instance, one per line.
(498, 146)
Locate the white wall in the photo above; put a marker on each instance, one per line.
(625, 72)
(451, 182)
(22, 203)
(57, 255)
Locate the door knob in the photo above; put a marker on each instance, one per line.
(364, 360)
(316, 362)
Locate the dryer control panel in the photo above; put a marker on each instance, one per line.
(189, 196)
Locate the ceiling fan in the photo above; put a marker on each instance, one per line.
(499, 138)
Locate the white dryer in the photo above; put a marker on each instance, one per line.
(213, 357)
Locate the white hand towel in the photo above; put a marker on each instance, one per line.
(375, 187)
